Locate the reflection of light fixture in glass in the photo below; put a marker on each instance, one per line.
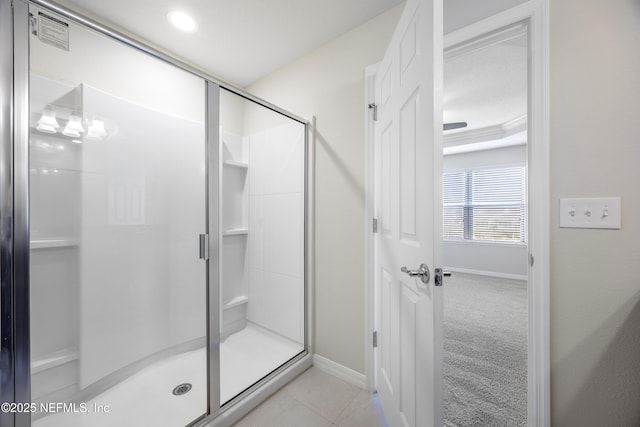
(96, 131)
(77, 141)
(48, 122)
(73, 127)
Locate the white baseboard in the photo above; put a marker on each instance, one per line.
(488, 273)
(340, 371)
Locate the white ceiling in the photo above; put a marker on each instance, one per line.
(240, 41)
(486, 86)
(485, 83)
(460, 13)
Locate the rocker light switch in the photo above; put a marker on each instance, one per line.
(600, 212)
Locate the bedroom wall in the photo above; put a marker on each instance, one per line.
(329, 83)
(595, 151)
(508, 260)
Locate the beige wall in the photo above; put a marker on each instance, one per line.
(329, 83)
(595, 151)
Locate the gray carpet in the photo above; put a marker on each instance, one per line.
(485, 351)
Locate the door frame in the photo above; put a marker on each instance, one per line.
(535, 13)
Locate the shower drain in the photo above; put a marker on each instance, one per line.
(181, 389)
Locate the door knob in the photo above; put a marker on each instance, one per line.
(422, 272)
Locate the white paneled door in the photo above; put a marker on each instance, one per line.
(408, 159)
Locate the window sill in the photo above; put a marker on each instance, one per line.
(485, 243)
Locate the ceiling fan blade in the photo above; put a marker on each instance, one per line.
(456, 125)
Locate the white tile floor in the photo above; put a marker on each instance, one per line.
(317, 399)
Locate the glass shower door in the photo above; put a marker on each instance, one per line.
(263, 242)
(118, 200)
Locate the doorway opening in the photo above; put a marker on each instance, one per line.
(485, 229)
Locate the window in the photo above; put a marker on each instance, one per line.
(485, 204)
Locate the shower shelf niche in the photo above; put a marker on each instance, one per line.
(236, 232)
(52, 360)
(53, 243)
(236, 301)
(235, 164)
(235, 236)
(234, 185)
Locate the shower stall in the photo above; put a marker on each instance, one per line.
(154, 233)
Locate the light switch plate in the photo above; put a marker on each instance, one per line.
(596, 212)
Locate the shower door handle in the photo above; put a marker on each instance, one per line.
(204, 246)
(422, 272)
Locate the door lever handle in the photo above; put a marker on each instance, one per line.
(422, 272)
(410, 272)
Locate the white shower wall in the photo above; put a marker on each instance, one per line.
(158, 117)
(143, 207)
(276, 224)
(115, 272)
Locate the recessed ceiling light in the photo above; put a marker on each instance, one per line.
(182, 21)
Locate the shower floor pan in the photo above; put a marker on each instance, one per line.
(147, 398)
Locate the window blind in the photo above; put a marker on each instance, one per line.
(485, 204)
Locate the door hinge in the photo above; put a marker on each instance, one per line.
(204, 246)
(375, 339)
(375, 225)
(374, 107)
(531, 260)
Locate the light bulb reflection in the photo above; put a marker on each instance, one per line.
(96, 131)
(73, 127)
(48, 122)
